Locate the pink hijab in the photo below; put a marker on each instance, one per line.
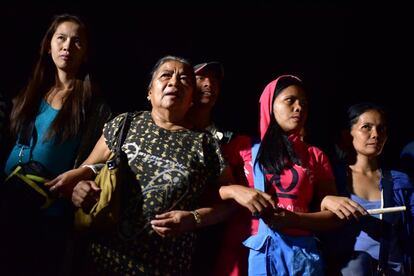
(266, 104)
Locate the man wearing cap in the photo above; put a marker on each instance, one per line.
(219, 251)
(209, 76)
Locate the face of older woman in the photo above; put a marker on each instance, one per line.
(172, 87)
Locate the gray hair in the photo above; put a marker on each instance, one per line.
(165, 59)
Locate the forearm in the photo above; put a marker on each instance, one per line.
(318, 221)
(85, 173)
(100, 153)
(227, 192)
(216, 213)
(314, 222)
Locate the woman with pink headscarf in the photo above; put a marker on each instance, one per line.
(290, 178)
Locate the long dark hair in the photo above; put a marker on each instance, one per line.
(71, 118)
(276, 151)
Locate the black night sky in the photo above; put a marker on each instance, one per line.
(345, 53)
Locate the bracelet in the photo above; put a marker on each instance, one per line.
(92, 167)
(197, 217)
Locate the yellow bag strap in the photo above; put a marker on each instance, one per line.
(29, 179)
(37, 189)
(36, 178)
(15, 171)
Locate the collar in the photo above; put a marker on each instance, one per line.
(215, 132)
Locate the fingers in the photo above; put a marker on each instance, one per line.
(173, 223)
(85, 194)
(94, 186)
(351, 209)
(171, 219)
(340, 214)
(164, 215)
(358, 208)
(343, 207)
(266, 200)
(167, 222)
(58, 186)
(164, 225)
(260, 202)
(52, 182)
(78, 199)
(55, 184)
(87, 188)
(162, 231)
(259, 206)
(269, 199)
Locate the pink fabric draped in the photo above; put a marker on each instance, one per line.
(266, 104)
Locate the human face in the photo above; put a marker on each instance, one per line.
(290, 109)
(68, 47)
(369, 134)
(172, 86)
(208, 87)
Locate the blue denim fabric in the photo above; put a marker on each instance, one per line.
(272, 253)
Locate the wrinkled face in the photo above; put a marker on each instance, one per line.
(208, 87)
(172, 86)
(68, 47)
(369, 134)
(290, 109)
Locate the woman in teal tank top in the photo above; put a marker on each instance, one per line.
(68, 118)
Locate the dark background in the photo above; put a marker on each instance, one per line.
(345, 53)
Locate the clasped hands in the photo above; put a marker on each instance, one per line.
(343, 207)
(72, 184)
(260, 204)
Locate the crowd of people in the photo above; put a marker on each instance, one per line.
(201, 200)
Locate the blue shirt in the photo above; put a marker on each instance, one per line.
(403, 195)
(364, 242)
(56, 157)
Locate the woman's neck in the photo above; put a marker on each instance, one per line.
(365, 165)
(169, 120)
(64, 79)
(365, 178)
(59, 92)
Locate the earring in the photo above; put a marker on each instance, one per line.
(148, 98)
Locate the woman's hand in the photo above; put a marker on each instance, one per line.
(343, 207)
(85, 195)
(173, 223)
(64, 183)
(256, 201)
(281, 218)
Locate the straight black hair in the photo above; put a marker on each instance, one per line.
(276, 151)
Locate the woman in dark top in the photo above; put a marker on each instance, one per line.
(365, 185)
(175, 169)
